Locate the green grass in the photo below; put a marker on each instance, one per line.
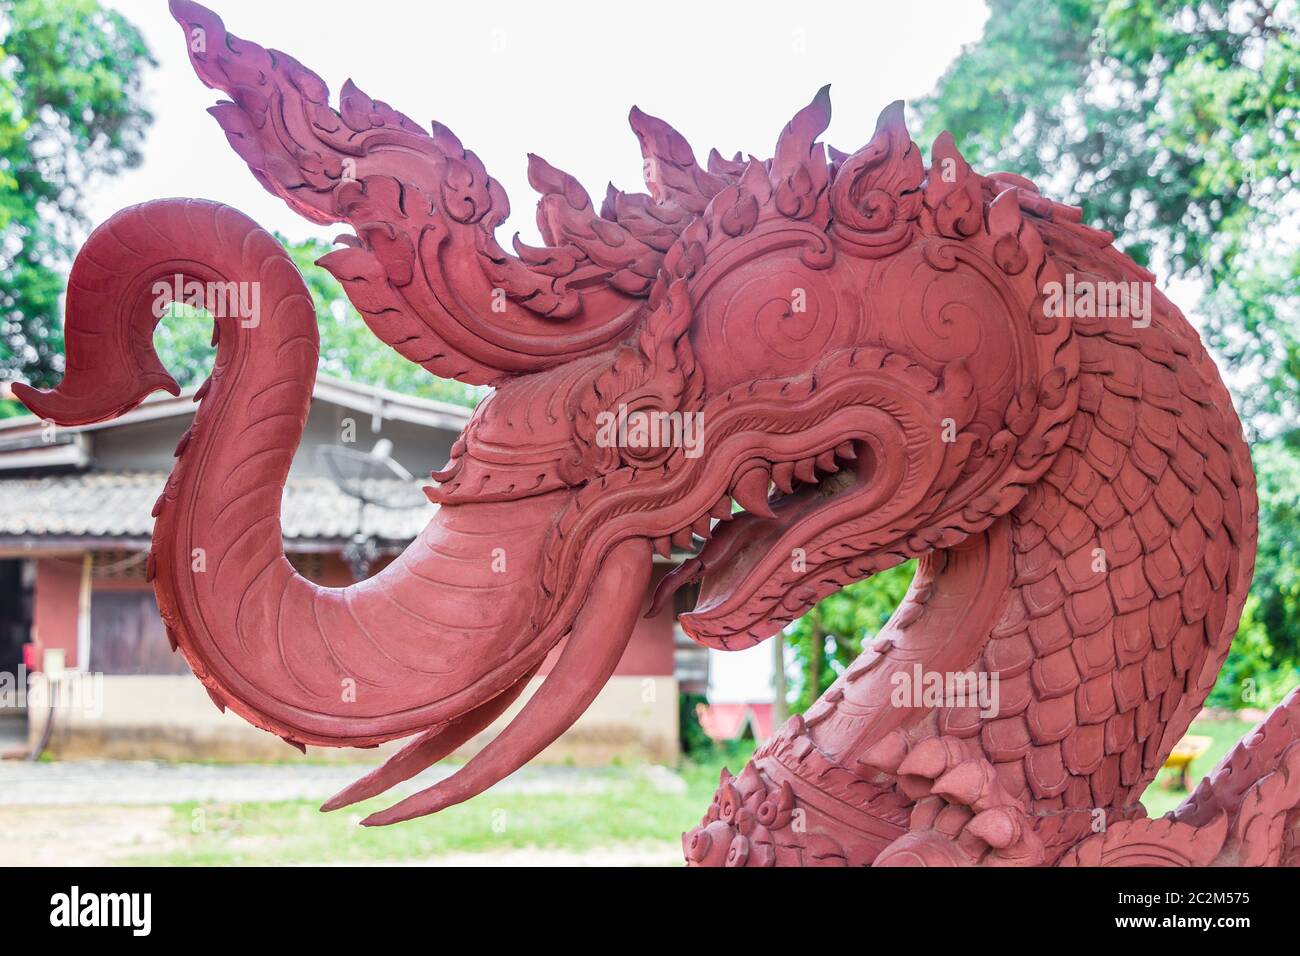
(1159, 800)
(628, 813)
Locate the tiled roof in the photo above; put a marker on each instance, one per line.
(119, 504)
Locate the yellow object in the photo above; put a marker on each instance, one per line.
(1181, 757)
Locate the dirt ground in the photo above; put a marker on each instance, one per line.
(81, 835)
(104, 813)
(107, 836)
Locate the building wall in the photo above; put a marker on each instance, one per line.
(56, 609)
(170, 716)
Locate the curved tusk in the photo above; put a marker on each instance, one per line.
(589, 657)
(427, 748)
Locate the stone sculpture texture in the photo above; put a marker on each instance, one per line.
(867, 334)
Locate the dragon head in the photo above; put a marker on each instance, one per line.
(853, 348)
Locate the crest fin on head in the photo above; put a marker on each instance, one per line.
(799, 136)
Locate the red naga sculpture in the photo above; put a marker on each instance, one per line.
(910, 354)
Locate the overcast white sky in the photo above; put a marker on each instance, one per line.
(511, 77)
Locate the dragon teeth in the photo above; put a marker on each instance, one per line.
(750, 490)
(783, 476)
(722, 508)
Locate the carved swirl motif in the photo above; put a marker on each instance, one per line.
(875, 198)
(791, 314)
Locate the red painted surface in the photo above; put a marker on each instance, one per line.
(55, 607)
(649, 650)
(869, 333)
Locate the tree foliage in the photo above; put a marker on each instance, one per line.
(823, 642)
(1172, 124)
(71, 111)
(1264, 662)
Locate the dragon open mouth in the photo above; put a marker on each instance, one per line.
(760, 557)
(829, 506)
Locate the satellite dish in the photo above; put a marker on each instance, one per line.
(371, 478)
